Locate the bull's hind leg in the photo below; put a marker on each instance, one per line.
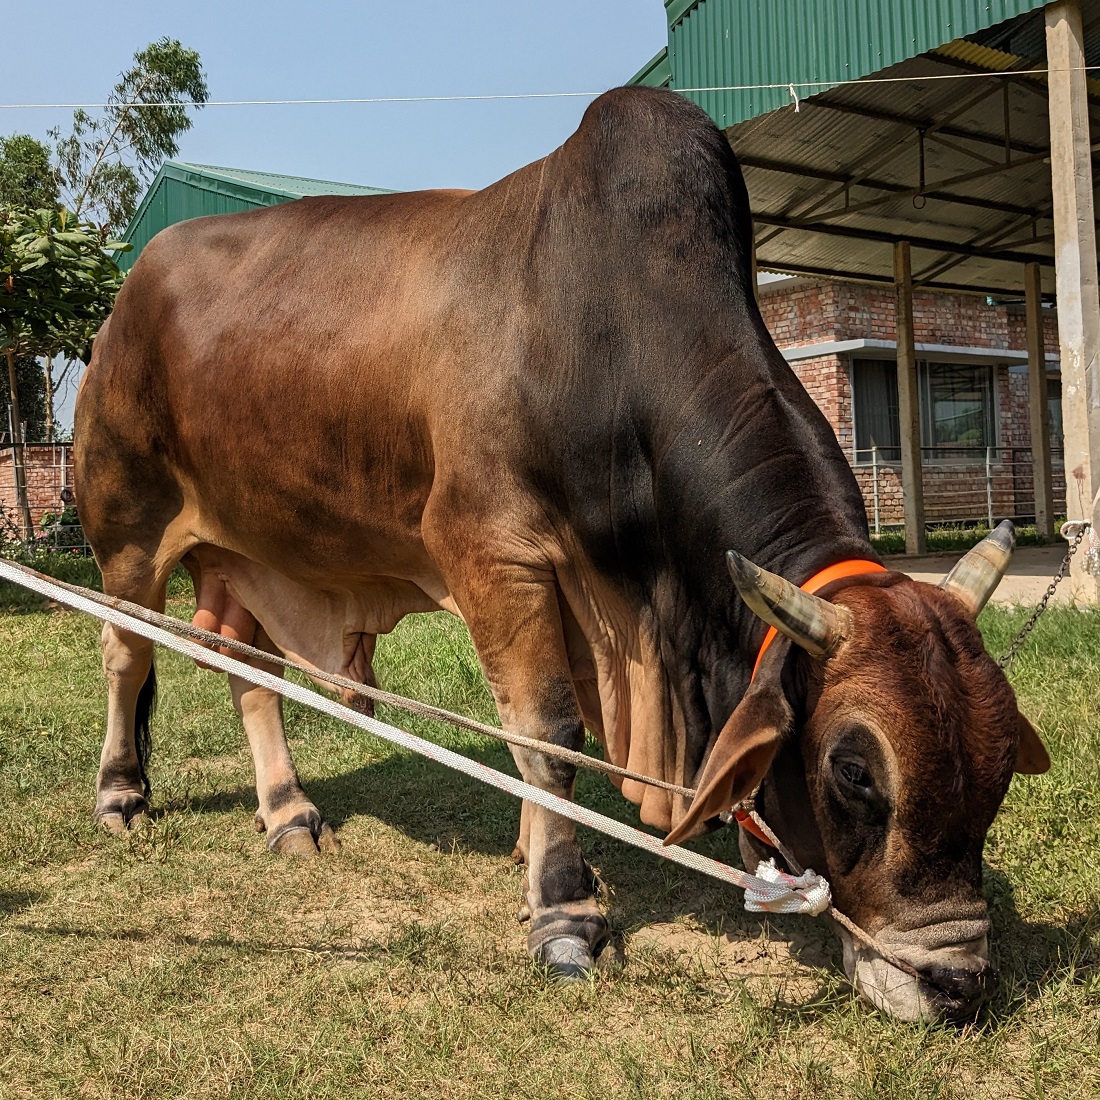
(122, 786)
(293, 824)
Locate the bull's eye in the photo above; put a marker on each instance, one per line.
(853, 776)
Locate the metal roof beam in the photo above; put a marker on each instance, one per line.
(883, 280)
(916, 192)
(765, 165)
(956, 147)
(1028, 81)
(931, 244)
(883, 152)
(928, 125)
(988, 239)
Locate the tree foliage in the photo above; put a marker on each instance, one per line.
(27, 178)
(57, 283)
(106, 161)
(31, 384)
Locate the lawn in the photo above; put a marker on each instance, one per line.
(185, 961)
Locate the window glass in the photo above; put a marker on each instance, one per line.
(957, 414)
(956, 407)
(1054, 412)
(875, 385)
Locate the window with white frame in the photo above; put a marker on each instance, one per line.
(1054, 412)
(957, 409)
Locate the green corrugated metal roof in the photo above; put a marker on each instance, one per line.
(717, 43)
(273, 182)
(181, 191)
(655, 73)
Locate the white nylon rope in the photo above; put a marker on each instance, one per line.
(772, 891)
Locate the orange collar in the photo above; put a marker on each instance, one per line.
(852, 568)
(746, 822)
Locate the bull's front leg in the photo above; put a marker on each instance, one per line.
(513, 616)
(292, 822)
(567, 928)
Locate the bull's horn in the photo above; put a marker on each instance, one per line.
(809, 621)
(980, 570)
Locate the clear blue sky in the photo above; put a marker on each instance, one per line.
(342, 49)
(253, 50)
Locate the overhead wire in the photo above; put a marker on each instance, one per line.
(789, 86)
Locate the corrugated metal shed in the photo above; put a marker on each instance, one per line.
(718, 43)
(181, 191)
(900, 141)
(655, 73)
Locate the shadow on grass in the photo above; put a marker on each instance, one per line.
(1032, 956)
(350, 951)
(13, 901)
(430, 806)
(412, 795)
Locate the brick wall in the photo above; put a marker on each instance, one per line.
(808, 312)
(826, 381)
(812, 313)
(48, 468)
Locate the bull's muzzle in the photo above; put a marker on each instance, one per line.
(956, 977)
(958, 993)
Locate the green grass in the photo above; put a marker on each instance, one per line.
(951, 538)
(185, 961)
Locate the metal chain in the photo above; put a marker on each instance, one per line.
(1010, 654)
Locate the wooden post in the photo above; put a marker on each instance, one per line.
(1075, 267)
(912, 473)
(1037, 404)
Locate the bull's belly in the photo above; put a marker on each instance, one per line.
(327, 628)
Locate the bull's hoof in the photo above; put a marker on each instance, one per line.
(121, 813)
(566, 958)
(304, 838)
(567, 940)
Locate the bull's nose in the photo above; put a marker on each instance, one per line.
(961, 991)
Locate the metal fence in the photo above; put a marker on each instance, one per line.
(961, 484)
(47, 471)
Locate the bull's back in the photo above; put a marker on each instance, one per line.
(276, 374)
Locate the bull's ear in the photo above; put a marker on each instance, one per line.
(1032, 757)
(741, 756)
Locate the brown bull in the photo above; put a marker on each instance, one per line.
(549, 407)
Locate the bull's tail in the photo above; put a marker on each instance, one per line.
(146, 705)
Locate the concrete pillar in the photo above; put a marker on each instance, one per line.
(1075, 267)
(1037, 404)
(912, 473)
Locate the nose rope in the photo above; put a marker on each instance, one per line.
(748, 810)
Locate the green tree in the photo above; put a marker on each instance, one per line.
(27, 178)
(106, 161)
(57, 286)
(31, 387)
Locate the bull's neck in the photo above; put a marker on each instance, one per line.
(752, 466)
